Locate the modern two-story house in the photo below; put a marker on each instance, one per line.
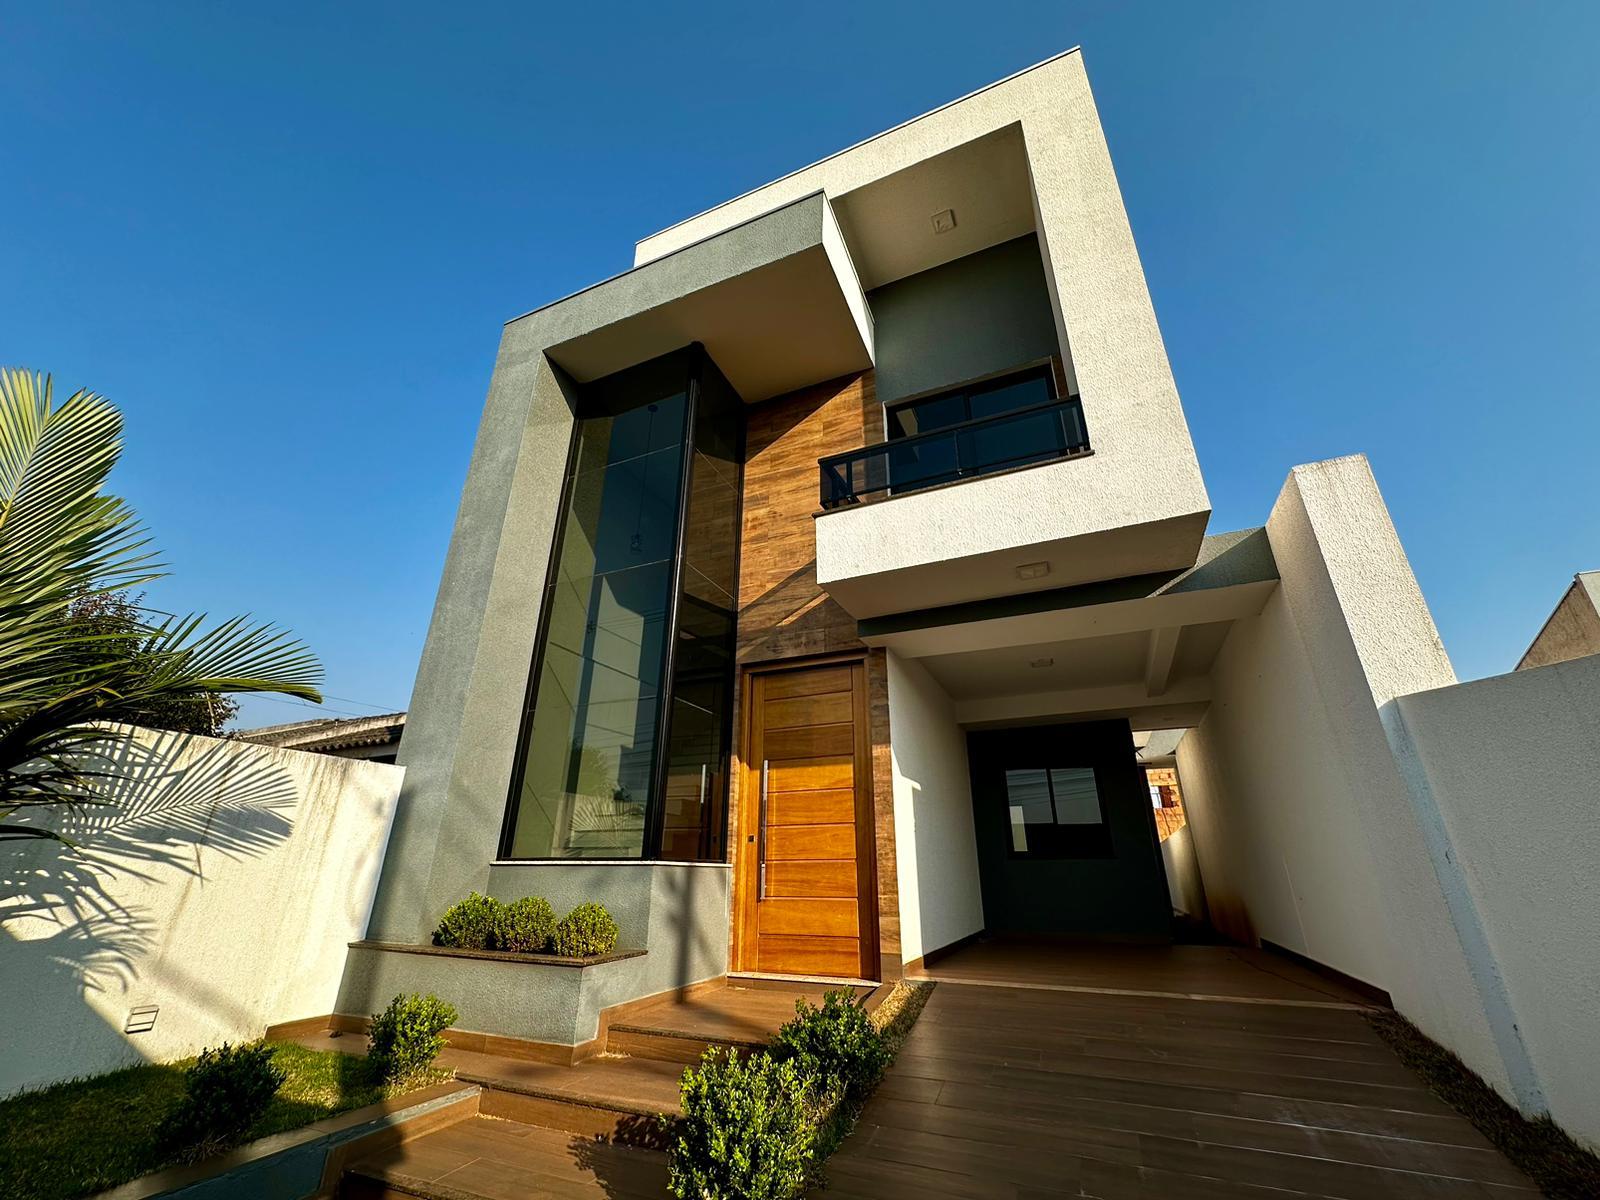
(818, 581)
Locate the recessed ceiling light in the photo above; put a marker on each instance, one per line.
(944, 222)
(1043, 662)
(1036, 570)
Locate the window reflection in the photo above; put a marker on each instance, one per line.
(590, 765)
(1056, 813)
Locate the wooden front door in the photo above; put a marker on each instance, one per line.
(805, 888)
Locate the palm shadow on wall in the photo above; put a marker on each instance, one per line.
(68, 928)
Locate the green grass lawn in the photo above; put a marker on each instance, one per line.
(86, 1135)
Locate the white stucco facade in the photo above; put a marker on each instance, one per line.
(935, 847)
(1138, 503)
(219, 886)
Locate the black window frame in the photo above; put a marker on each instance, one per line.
(967, 391)
(1077, 840)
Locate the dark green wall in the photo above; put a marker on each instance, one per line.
(977, 316)
(1121, 896)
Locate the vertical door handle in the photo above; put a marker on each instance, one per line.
(761, 837)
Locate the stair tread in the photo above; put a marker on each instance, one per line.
(484, 1157)
(636, 1085)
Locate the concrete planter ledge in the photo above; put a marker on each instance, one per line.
(294, 1164)
(502, 956)
(527, 997)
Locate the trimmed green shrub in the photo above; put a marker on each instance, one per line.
(406, 1036)
(468, 924)
(584, 932)
(746, 1133)
(836, 1046)
(226, 1091)
(524, 926)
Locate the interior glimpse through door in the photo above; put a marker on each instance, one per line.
(805, 883)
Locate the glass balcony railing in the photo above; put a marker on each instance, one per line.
(1022, 438)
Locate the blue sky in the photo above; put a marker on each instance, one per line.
(284, 238)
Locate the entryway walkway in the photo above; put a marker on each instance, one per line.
(1194, 972)
(1103, 1077)
(1034, 1072)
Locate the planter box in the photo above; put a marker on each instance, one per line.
(539, 998)
(294, 1164)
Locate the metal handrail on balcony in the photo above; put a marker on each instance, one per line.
(983, 446)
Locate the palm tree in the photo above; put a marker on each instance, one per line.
(67, 692)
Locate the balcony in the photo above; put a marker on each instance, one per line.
(985, 446)
(1005, 503)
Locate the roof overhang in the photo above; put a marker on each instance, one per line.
(775, 301)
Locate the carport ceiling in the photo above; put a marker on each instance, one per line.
(1075, 664)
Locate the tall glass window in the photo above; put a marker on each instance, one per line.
(632, 647)
(701, 713)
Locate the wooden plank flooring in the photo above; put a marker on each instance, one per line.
(502, 1160)
(1026, 1093)
(736, 1015)
(1236, 972)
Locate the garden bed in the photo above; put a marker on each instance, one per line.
(87, 1135)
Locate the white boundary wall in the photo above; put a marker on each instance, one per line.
(1352, 802)
(221, 884)
(1509, 766)
(941, 900)
(1306, 828)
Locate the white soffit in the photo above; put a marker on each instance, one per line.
(1071, 664)
(984, 183)
(775, 301)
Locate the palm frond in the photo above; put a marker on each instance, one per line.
(66, 692)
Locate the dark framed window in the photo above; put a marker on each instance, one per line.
(1056, 812)
(998, 424)
(972, 402)
(624, 745)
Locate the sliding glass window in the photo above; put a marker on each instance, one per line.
(624, 746)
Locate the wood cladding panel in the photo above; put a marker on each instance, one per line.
(784, 616)
(834, 806)
(816, 741)
(836, 878)
(830, 709)
(791, 843)
(808, 683)
(821, 774)
(783, 955)
(783, 612)
(810, 917)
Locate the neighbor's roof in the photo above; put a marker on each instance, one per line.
(329, 733)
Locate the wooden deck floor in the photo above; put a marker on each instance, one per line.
(1231, 972)
(1101, 1075)
(1026, 1093)
(485, 1159)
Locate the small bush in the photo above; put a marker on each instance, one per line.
(406, 1036)
(226, 1091)
(468, 924)
(836, 1046)
(746, 1132)
(584, 932)
(524, 926)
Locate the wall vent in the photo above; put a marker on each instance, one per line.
(141, 1019)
